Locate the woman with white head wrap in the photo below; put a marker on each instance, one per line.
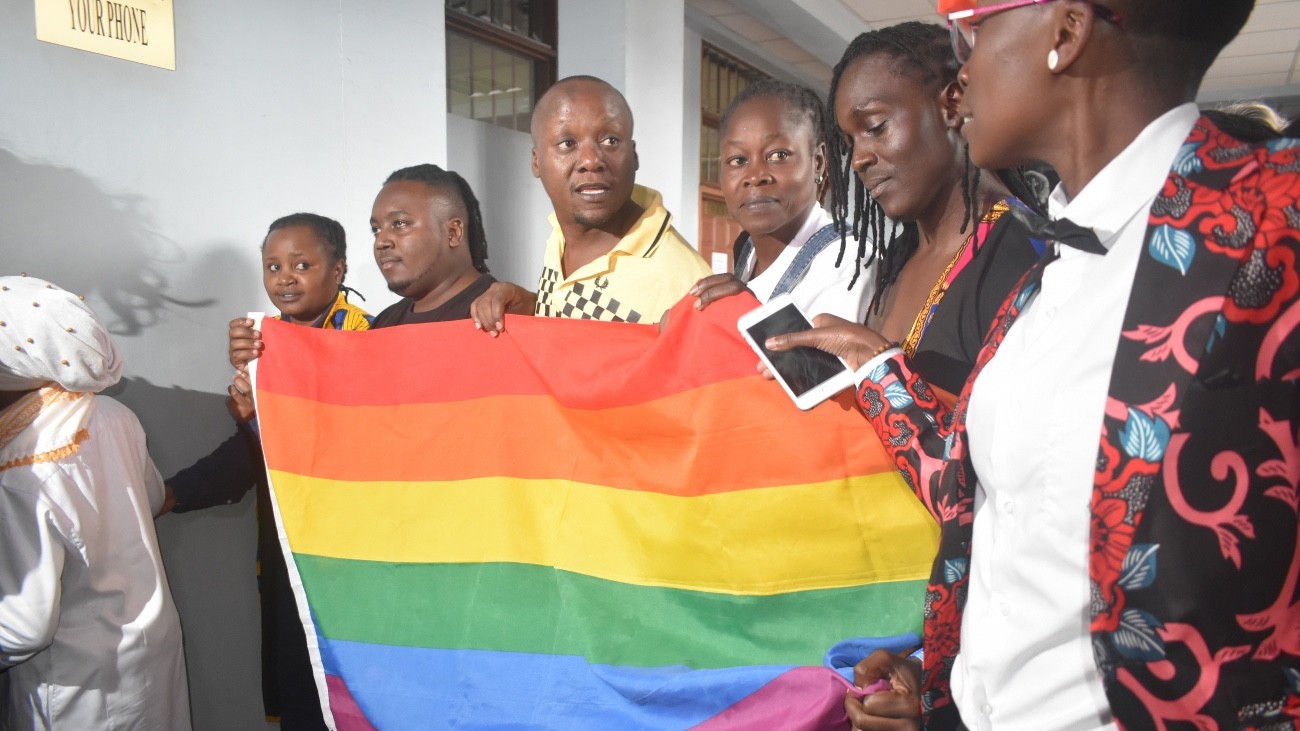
(88, 630)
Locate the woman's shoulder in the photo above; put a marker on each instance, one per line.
(347, 316)
(1002, 233)
(1006, 250)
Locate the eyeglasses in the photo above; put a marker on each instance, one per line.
(962, 24)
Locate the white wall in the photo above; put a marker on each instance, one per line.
(497, 164)
(149, 191)
(687, 217)
(639, 47)
(654, 39)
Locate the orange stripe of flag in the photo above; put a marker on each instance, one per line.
(628, 448)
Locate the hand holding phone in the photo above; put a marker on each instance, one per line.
(808, 375)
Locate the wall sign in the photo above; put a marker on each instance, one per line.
(135, 30)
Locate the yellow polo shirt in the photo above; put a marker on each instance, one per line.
(644, 275)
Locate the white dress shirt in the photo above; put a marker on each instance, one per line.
(825, 288)
(1034, 428)
(88, 630)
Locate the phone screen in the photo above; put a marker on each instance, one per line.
(802, 369)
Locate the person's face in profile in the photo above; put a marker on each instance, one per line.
(414, 236)
(584, 154)
(770, 160)
(1001, 118)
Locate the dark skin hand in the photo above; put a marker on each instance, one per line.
(716, 287)
(501, 299)
(240, 401)
(245, 346)
(245, 342)
(169, 502)
(897, 708)
(856, 344)
(709, 290)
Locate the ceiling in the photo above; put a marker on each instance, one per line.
(1263, 62)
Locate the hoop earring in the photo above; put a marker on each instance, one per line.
(819, 180)
(1053, 59)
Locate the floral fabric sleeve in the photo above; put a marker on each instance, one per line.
(917, 431)
(913, 425)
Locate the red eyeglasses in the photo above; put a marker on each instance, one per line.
(962, 24)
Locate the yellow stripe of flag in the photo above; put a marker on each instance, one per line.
(752, 542)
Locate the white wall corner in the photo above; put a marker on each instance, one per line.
(688, 214)
(655, 46)
(584, 43)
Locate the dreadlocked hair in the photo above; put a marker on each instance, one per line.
(799, 100)
(924, 51)
(436, 177)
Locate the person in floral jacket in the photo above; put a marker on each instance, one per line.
(1117, 482)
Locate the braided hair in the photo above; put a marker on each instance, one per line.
(329, 231)
(436, 177)
(798, 100)
(924, 51)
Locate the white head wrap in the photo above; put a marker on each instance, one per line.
(48, 335)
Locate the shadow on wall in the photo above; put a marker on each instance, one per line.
(168, 298)
(210, 559)
(59, 226)
(156, 406)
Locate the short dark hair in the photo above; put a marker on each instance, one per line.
(800, 100)
(329, 231)
(438, 178)
(577, 79)
(1179, 39)
(583, 77)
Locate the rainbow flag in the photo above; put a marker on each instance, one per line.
(579, 525)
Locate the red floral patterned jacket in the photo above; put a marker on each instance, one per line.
(1195, 550)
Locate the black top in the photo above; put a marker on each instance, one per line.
(947, 351)
(456, 308)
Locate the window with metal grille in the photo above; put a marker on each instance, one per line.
(721, 78)
(500, 58)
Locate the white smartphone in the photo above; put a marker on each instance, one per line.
(809, 375)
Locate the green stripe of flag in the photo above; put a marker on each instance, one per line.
(537, 609)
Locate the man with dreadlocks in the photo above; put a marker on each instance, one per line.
(429, 245)
(431, 248)
(950, 255)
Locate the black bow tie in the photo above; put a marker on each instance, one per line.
(1062, 230)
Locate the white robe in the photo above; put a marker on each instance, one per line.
(88, 629)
